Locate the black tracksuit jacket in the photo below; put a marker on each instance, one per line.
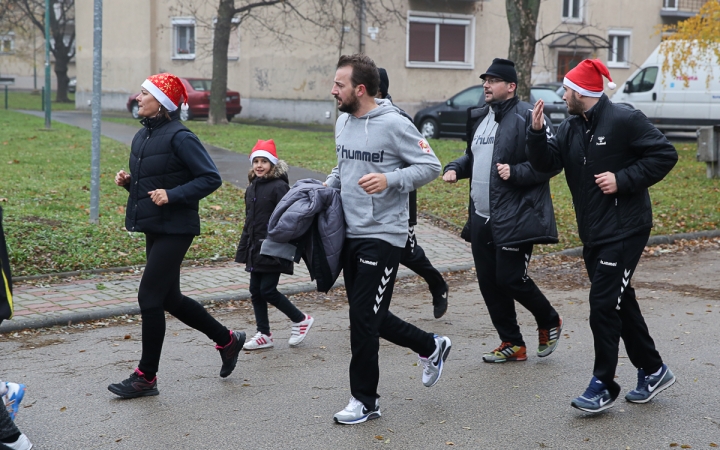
(615, 139)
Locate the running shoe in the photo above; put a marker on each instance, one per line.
(300, 330)
(135, 386)
(549, 339)
(356, 412)
(506, 352)
(230, 352)
(596, 398)
(13, 397)
(259, 341)
(440, 301)
(22, 443)
(650, 385)
(433, 364)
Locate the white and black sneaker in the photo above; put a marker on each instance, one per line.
(433, 364)
(356, 412)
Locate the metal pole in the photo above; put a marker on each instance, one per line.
(6, 95)
(34, 61)
(96, 113)
(47, 65)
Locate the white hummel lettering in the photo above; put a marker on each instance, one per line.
(608, 263)
(370, 263)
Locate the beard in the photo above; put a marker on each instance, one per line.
(350, 106)
(574, 105)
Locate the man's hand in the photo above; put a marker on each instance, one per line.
(158, 196)
(606, 182)
(122, 178)
(503, 171)
(373, 183)
(450, 176)
(537, 115)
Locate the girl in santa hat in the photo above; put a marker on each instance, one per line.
(268, 184)
(170, 171)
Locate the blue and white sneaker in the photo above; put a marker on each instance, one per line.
(13, 397)
(595, 399)
(433, 364)
(356, 412)
(650, 385)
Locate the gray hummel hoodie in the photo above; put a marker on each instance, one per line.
(381, 141)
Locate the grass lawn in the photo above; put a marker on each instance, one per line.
(685, 201)
(45, 194)
(46, 179)
(32, 101)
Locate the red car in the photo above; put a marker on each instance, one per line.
(198, 90)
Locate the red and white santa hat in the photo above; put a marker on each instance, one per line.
(167, 89)
(587, 78)
(265, 149)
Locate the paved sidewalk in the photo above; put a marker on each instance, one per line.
(43, 305)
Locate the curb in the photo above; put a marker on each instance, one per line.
(85, 316)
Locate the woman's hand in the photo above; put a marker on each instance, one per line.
(122, 178)
(158, 196)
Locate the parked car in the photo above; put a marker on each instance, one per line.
(557, 86)
(198, 90)
(449, 119)
(72, 85)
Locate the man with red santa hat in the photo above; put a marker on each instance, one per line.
(611, 155)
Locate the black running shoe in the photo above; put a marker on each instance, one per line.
(229, 353)
(440, 301)
(135, 386)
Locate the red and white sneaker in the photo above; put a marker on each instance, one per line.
(300, 330)
(259, 341)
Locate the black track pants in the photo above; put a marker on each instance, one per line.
(413, 257)
(614, 310)
(160, 291)
(263, 290)
(369, 268)
(502, 276)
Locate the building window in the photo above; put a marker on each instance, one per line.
(440, 41)
(618, 53)
(7, 42)
(670, 4)
(572, 10)
(183, 38)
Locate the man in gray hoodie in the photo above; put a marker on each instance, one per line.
(381, 158)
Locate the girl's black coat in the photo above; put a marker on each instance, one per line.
(166, 155)
(261, 197)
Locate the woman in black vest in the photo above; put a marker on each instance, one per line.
(170, 171)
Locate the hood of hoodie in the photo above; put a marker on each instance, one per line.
(384, 106)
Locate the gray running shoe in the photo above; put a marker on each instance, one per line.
(356, 412)
(433, 364)
(650, 385)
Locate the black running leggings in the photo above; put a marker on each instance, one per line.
(160, 291)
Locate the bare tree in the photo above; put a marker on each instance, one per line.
(62, 33)
(286, 21)
(522, 18)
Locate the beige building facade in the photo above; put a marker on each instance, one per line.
(439, 48)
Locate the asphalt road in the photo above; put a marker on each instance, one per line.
(285, 397)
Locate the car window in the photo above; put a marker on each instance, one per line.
(547, 95)
(648, 81)
(200, 85)
(470, 97)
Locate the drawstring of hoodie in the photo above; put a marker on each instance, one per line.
(367, 136)
(341, 130)
(366, 132)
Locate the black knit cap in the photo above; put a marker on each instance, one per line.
(503, 69)
(384, 82)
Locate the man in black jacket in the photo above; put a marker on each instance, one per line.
(611, 155)
(413, 256)
(510, 211)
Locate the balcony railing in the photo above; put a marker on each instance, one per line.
(681, 8)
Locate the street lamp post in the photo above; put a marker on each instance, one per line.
(47, 65)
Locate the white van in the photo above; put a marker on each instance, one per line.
(667, 102)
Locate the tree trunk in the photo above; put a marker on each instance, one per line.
(221, 41)
(522, 18)
(61, 92)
